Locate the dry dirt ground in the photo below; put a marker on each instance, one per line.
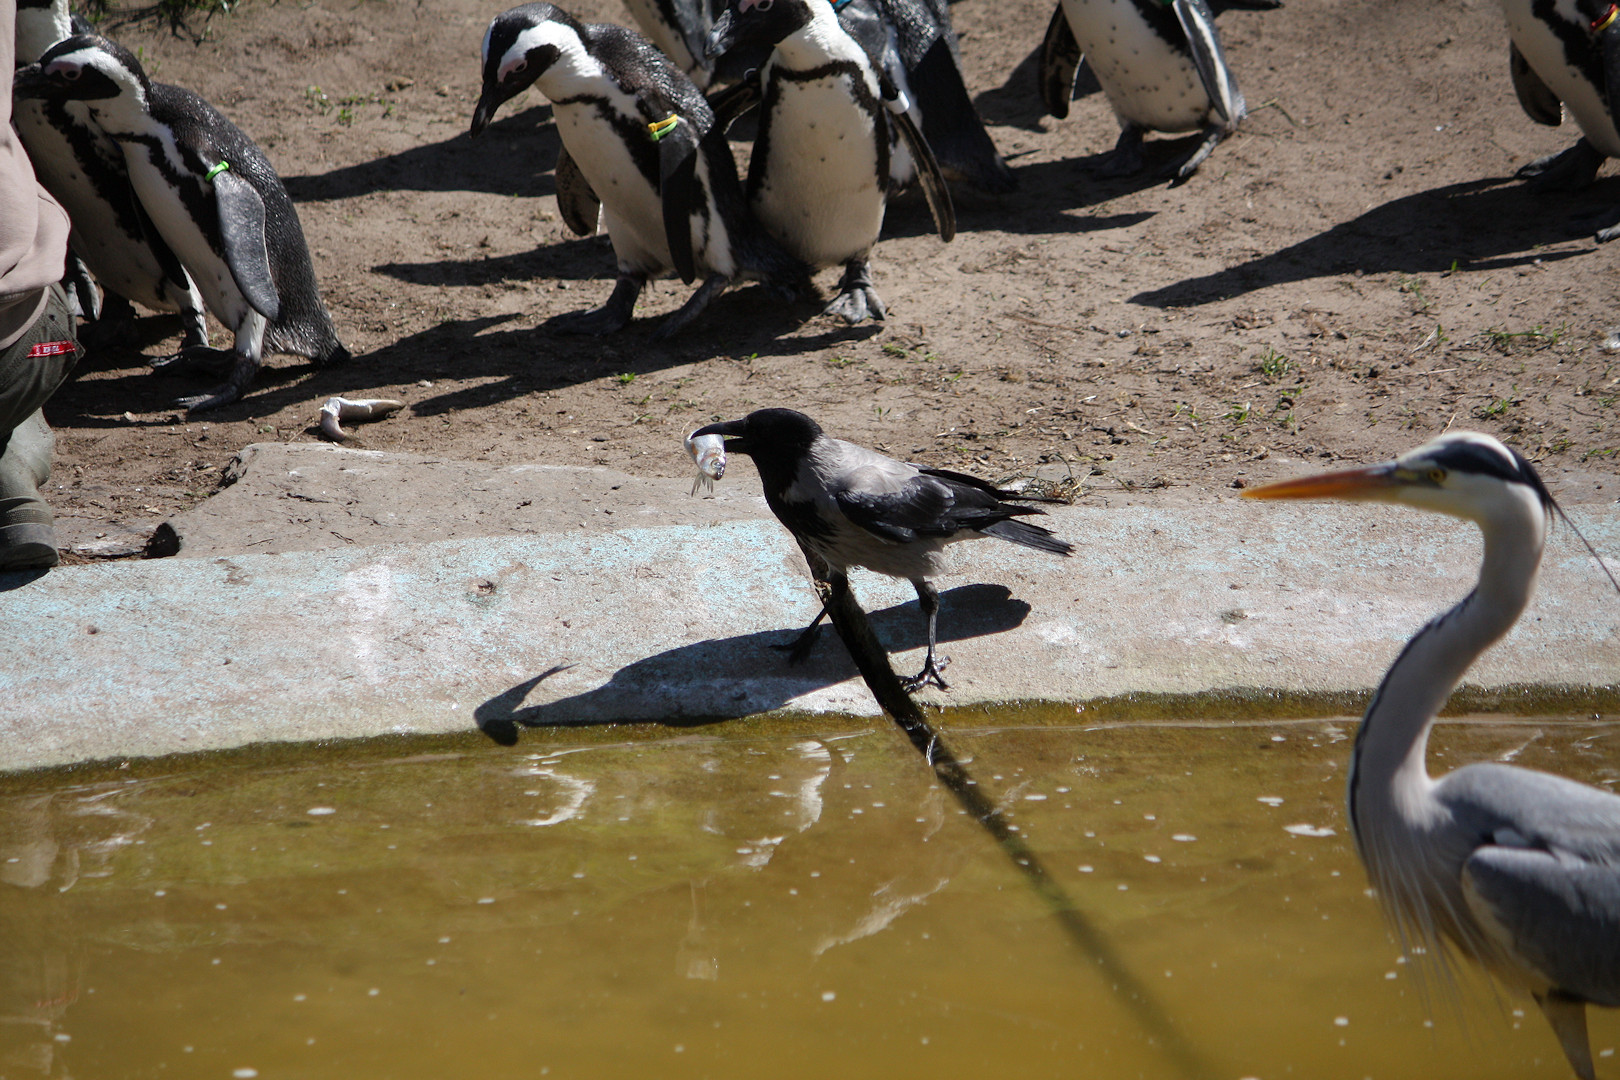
(1353, 273)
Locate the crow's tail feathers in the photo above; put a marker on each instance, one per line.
(1032, 536)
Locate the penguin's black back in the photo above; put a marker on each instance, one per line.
(204, 137)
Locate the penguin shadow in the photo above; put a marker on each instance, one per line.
(1425, 232)
(514, 156)
(584, 259)
(1017, 101)
(754, 676)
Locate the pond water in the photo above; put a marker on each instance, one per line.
(782, 898)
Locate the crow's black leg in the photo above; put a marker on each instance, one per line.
(928, 600)
(799, 648)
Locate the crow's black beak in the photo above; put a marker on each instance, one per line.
(733, 431)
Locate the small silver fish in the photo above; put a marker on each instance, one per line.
(709, 455)
(338, 409)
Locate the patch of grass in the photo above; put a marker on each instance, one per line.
(1538, 337)
(1499, 406)
(626, 378)
(895, 350)
(1413, 287)
(1239, 413)
(1273, 364)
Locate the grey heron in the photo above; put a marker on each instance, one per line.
(1517, 869)
(850, 506)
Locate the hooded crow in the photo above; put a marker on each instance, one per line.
(850, 506)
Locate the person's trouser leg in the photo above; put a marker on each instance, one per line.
(31, 369)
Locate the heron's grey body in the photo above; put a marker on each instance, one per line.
(849, 506)
(1519, 870)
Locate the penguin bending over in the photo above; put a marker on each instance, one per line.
(1160, 65)
(212, 196)
(640, 149)
(820, 175)
(1562, 56)
(83, 169)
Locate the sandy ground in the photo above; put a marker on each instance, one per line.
(1353, 273)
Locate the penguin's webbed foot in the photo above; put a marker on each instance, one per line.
(1125, 159)
(235, 385)
(1182, 171)
(197, 360)
(857, 300)
(1568, 170)
(928, 676)
(610, 318)
(713, 286)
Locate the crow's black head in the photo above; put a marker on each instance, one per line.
(774, 433)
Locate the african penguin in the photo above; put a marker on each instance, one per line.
(212, 196)
(83, 168)
(679, 28)
(641, 148)
(1565, 54)
(1160, 65)
(819, 178)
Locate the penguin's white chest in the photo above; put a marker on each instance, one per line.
(184, 235)
(820, 193)
(1544, 51)
(1148, 82)
(631, 208)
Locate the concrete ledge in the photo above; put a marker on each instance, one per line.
(673, 622)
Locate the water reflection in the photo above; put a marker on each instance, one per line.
(750, 900)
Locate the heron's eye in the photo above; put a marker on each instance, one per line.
(1437, 475)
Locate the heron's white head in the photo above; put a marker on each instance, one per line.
(1465, 474)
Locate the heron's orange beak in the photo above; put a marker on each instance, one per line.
(1372, 482)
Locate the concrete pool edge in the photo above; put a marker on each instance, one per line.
(674, 618)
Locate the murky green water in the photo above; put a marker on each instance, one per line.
(752, 901)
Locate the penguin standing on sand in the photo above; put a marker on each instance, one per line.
(212, 196)
(820, 175)
(1566, 55)
(640, 149)
(83, 168)
(1160, 65)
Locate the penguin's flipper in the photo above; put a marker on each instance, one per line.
(1198, 23)
(81, 287)
(241, 228)
(928, 176)
(1607, 29)
(678, 190)
(730, 103)
(1060, 63)
(953, 127)
(576, 201)
(1539, 102)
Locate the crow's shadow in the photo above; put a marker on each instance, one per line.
(741, 675)
(514, 156)
(1476, 225)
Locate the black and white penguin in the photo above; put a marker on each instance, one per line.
(1565, 54)
(212, 196)
(679, 28)
(1160, 65)
(83, 168)
(819, 179)
(639, 147)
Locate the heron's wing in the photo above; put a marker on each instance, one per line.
(1556, 913)
(1198, 23)
(1060, 62)
(576, 201)
(1540, 103)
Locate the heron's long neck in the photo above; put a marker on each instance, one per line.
(1388, 761)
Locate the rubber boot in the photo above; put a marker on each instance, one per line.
(27, 532)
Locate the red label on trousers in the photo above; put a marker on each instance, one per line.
(51, 348)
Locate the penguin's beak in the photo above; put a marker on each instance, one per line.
(722, 36)
(733, 431)
(30, 82)
(1376, 482)
(490, 100)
